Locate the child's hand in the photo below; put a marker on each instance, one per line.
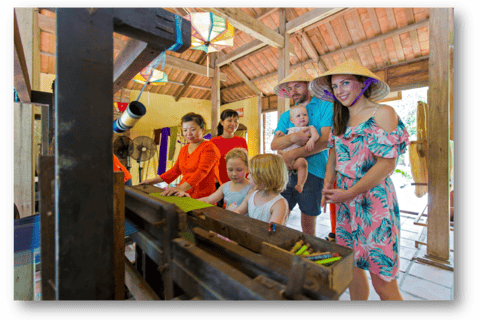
(323, 204)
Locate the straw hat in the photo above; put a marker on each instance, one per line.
(298, 75)
(318, 85)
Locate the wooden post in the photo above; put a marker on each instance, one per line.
(260, 127)
(441, 28)
(23, 159)
(119, 234)
(215, 97)
(283, 59)
(46, 183)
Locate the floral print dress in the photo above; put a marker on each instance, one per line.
(370, 222)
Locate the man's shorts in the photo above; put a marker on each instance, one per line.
(310, 199)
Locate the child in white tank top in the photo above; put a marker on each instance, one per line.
(269, 176)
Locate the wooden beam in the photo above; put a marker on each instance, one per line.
(23, 161)
(138, 287)
(341, 12)
(381, 37)
(119, 234)
(311, 17)
(260, 127)
(298, 65)
(20, 69)
(181, 11)
(242, 21)
(245, 79)
(191, 67)
(215, 98)
(190, 78)
(265, 13)
(135, 56)
(438, 245)
(292, 27)
(283, 60)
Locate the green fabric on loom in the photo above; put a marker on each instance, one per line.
(184, 203)
(173, 142)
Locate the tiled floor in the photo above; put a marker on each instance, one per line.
(417, 281)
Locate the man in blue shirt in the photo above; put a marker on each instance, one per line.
(320, 115)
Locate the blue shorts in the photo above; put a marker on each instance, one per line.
(310, 199)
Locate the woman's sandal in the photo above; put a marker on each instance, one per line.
(330, 237)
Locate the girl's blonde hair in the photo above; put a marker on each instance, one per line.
(237, 153)
(271, 170)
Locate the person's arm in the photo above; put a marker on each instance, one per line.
(321, 144)
(243, 207)
(214, 197)
(313, 138)
(281, 140)
(279, 212)
(330, 174)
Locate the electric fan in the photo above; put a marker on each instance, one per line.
(123, 149)
(143, 149)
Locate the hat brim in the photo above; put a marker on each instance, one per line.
(318, 86)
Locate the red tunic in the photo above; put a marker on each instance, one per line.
(225, 145)
(197, 168)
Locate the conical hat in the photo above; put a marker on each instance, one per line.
(321, 83)
(298, 75)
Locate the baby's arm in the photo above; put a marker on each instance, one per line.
(214, 197)
(243, 207)
(279, 212)
(314, 137)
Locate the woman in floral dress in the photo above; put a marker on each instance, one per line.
(367, 139)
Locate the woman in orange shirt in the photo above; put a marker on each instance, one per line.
(197, 162)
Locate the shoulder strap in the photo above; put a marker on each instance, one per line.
(375, 110)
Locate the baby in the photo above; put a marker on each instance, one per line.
(299, 117)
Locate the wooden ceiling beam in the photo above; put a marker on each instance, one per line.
(190, 78)
(20, 71)
(265, 13)
(245, 79)
(292, 27)
(381, 37)
(191, 67)
(312, 16)
(242, 21)
(300, 64)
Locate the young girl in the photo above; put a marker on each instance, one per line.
(368, 138)
(269, 176)
(234, 191)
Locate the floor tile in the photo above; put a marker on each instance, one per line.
(409, 226)
(404, 263)
(431, 273)
(410, 235)
(407, 253)
(408, 297)
(425, 289)
(407, 243)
